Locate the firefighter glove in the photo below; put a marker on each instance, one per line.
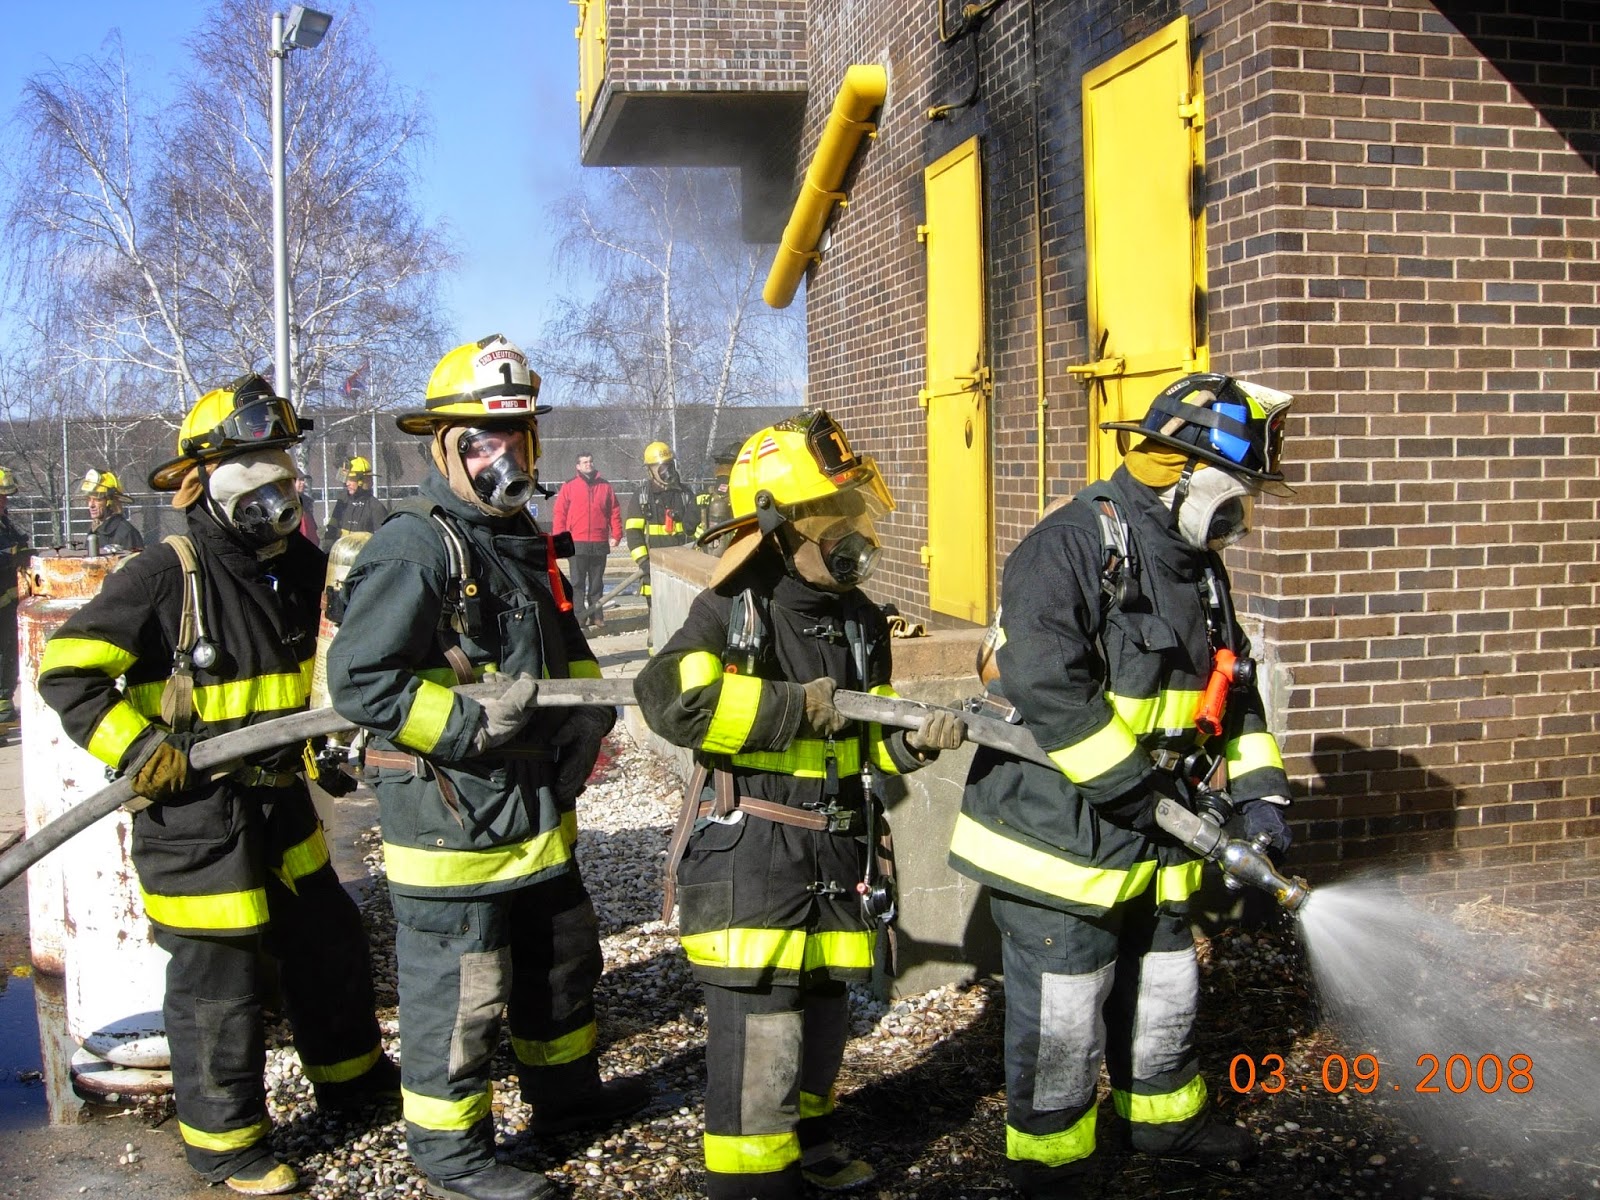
(821, 718)
(161, 773)
(577, 747)
(1264, 817)
(505, 713)
(940, 730)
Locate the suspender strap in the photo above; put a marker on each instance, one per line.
(177, 697)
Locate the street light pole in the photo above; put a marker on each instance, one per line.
(280, 232)
(303, 29)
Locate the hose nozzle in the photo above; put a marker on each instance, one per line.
(1239, 860)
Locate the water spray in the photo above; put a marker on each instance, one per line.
(1241, 861)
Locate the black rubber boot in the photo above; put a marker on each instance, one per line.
(1210, 1142)
(497, 1182)
(599, 1105)
(1037, 1181)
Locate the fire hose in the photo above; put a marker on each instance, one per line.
(1238, 859)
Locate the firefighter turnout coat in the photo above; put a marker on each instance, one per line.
(232, 858)
(354, 512)
(491, 913)
(658, 517)
(1103, 686)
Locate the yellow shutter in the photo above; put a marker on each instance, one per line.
(591, 35)
(1144, 203)
(958, 391)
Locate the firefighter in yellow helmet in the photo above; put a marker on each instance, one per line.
(358, 510)
(776, 858)
(183, 643)
(714, 504)
(477, 797)
(111, 530)
(14, 548)
(663, 512)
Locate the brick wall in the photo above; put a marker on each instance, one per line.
(1407, 243)
(706, 45)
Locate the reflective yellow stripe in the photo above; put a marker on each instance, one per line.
(881, 757)
(806, 758)
(785, 949)
(342, 1072)
(446, 676)
(569, 829)
(1179, 882)
(232, 701)
(85, 654)
(223, 911)
(698, 669)
(430, 713)
(1173, 709)
(659, 530)
(813, 1105)
(583, 668)
(839, 948)
(1053, 1149)
(429, 1112)
(1042, 872)
(410, 866)
(115, 733)
(633, 523)
(569, 1047)
(639, 552)
(751, 1153)
(1188, 1101)
(232, 1139)
(1251, 752)
(1096, 754)
(303, 858)
(737, 707)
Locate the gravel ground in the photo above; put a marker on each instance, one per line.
(922, 1094)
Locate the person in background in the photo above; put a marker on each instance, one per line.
(1114, 609)
(587, 508)
(107, 524)
(14, 549)
(232, 867)
(778, 855)
(662, 513)
(308, 516)
(714, 506)
(358, 510)
(477, 797)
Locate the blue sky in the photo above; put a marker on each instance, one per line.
(498, 75)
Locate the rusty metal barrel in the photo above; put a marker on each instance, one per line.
(88, 920)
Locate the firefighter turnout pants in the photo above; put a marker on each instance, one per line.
(772, 1056)
(534, 951)
(1122, 986)
(215, 984)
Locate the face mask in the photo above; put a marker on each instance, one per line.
(267, 514)
(1216, 513)
(835, 554)
(503, 484)
(850, 559)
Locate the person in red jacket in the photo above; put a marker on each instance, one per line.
(586, 507)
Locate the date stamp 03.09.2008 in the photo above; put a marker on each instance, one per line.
(1456, 1074)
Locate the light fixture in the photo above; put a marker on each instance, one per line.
(306, 27)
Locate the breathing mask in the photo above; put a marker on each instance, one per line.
(497, 460)
(252, 496)
(838, 545)
(1215, 511)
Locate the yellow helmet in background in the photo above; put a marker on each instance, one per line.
(227, 421)
(357, 466)
(657, 453)
(8, 482)
(104, 484)
(486, 379)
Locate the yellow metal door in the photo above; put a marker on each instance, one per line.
(1144, 168)
(591, 35)
(958, 553)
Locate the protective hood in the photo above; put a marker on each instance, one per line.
(253, 496)
(1216, 511)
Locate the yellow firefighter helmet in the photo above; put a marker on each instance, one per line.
(488, 378)
(227, 421)
(8, 482)
(657, 453)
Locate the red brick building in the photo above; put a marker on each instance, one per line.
(1388, 209)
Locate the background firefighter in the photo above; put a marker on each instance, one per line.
(358, 510)
(14, 549)
(769, 912)
(477, 799)
(714, 506)
(1105, 656)
(106, 521)
(232, 866)
(663, 512)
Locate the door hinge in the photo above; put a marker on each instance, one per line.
(1190, 109)
(926, 555)
(922, 233)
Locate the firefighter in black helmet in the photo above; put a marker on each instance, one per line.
(477, 797)
(233, 866)
(1105, 654)
(781, 896)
